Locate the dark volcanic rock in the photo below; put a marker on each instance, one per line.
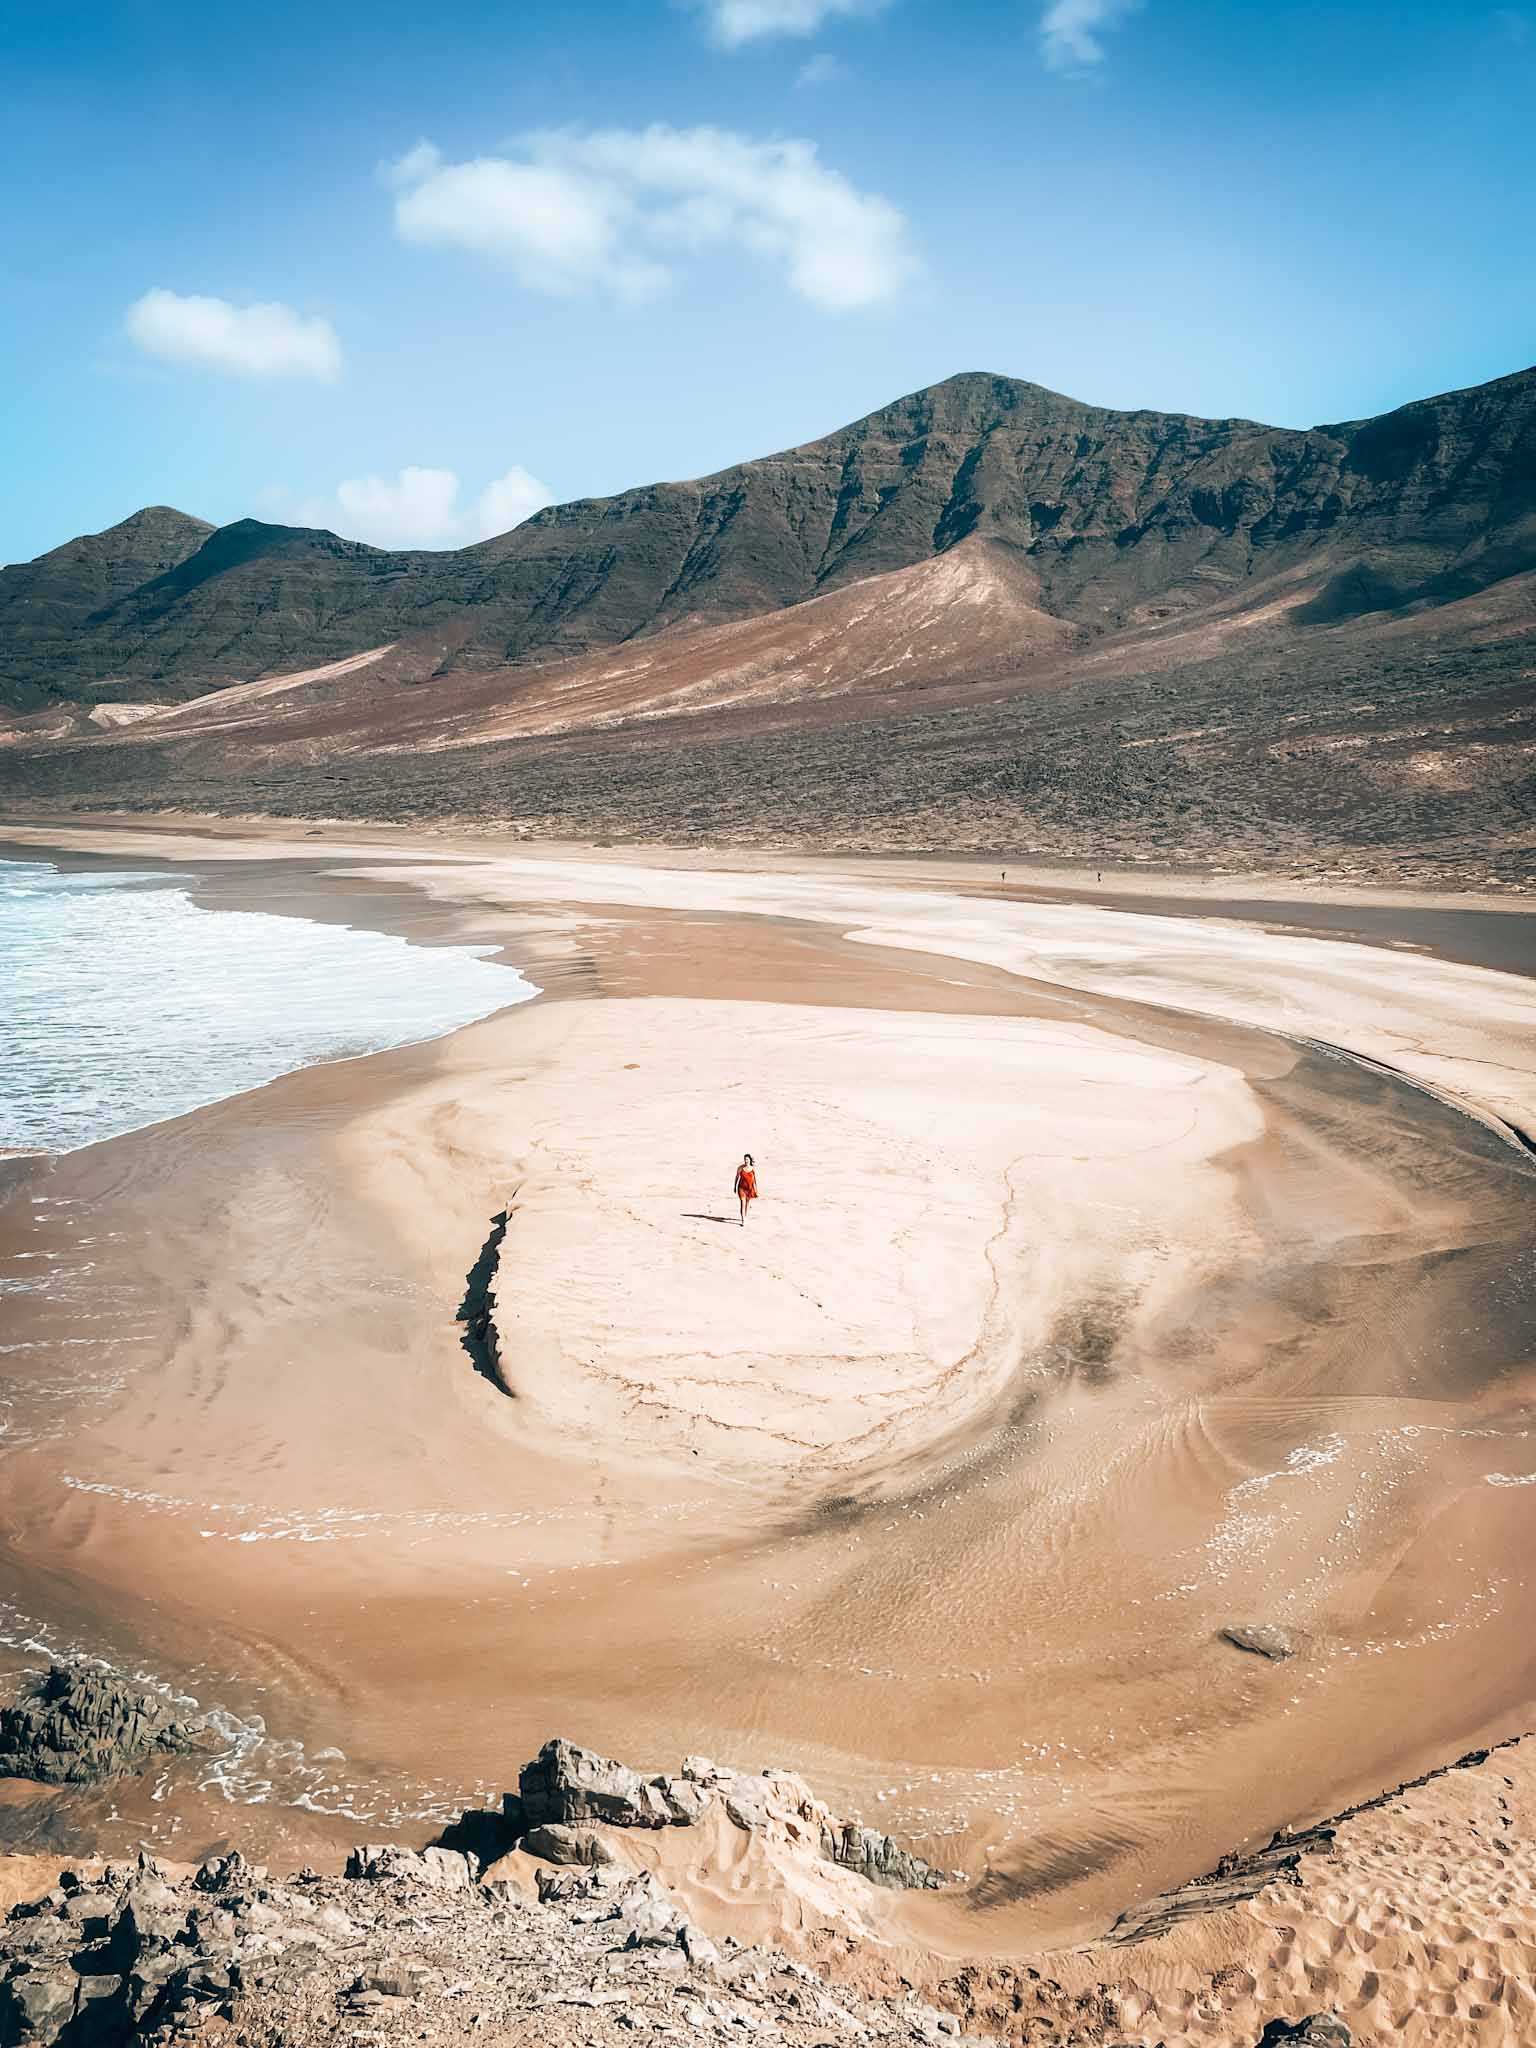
(1321, 2030)
(1262, 1640)
(485, 1833)
(1120, 517)
(878, 1858)
(82, 1727)
(566, 1783)
(605, 1956)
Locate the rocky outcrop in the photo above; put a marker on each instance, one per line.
(444, 1870)
(602, 1956)
(1321, 2030)
(1118, 517)
(566, 1784)
(876, 1857)
(83, 1727)
(555, 1844)
(484, 1834)
(445, 1944)
(1262, 1639)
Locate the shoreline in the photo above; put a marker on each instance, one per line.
(330, 896)
(614, 951)
(463, 838)
(1468, 927)
(188, 886)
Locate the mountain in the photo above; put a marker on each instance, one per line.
(984, 617)
(47, 604)
(1112, 521)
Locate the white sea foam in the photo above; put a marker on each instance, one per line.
(1305, 1458)
(126, 1003)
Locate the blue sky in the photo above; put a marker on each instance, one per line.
(407, 271)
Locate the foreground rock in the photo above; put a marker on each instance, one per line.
(566, 1785)
(407, 1946)
(83, 1727)
(1261, 1640)
(544, 1925)
(1322, 2030)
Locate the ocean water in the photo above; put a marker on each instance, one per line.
(122, 1002)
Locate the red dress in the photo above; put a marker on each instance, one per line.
(746, 1183)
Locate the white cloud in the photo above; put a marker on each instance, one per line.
(419, 508)
(734, 22)
(511, 499)
(561, 229)
(251, 341)
(611, 208)
(1070, 31)
(416, 163)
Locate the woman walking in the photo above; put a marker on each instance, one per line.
(746, 1185)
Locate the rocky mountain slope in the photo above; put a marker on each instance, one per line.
(1401, 749)
(46, 603)
(1115, 520)
(532, 1922)
(985, 618)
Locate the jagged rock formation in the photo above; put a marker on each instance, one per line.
(408, 1948)
(877, 1857)
(1117, 518)
(407, 1945)
(1322, 2030)
(566, 1786)
(83, 1727)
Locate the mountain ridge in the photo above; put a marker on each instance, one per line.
(1122, 516)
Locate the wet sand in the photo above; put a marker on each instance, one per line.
(1118, 1279)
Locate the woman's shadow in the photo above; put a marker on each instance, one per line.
(704, 1216)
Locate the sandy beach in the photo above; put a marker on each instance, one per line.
(1121, 1279)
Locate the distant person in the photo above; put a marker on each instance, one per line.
(746, 1185)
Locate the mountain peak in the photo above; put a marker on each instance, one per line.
(152, 520)
(969, 401)
(162, 514)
